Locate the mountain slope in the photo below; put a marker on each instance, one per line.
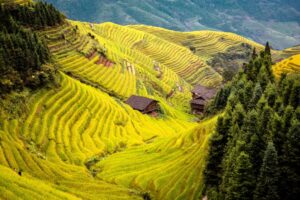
(77, 138)
(290, 65)
(278, 24)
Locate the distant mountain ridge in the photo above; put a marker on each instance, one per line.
(276, 21)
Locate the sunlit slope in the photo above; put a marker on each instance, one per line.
(292, 50)
(132, 73)
(14, 187)
(15, 1)
(289, 66)
(78, 121)
(145, 48)
(70, 125)
(169, 168)
(206, 43)
(44, 175)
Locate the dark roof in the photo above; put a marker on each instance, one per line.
(139, 103)
(205, 92)
(198, 101)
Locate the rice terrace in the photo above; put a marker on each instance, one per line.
(105, 110)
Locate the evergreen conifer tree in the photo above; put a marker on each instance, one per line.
(267, 49)
(292, 161)
(254, 54)
(295, 94)
(242, 182)
(267, 185)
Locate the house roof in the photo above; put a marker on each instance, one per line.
(205, 92)
(139, 103)
(198, 101)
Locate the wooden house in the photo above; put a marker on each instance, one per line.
(201, 95)
(143, 104)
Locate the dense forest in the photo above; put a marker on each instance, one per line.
(255, 150)
(22, 52)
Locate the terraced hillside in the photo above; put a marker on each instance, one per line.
(205, 43)
(292, 50)
(75, 124)
(68, 126)
(175, 57)
(289, 66)
(77, 139)
(224, 52)
(22, 2)
(77, 54)
(67, 130)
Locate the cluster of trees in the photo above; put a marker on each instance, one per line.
(255, 150)
(34, 15)
(22, 52)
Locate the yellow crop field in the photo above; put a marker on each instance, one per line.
(168, 167)
(70, 125)
(289, 65)
(79, 140)
(132, 72)
(144, 49)
(207, 43)
(292, 51)
(15, 1)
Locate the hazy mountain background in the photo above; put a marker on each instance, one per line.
(277, 21)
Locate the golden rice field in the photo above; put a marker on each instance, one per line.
(289, 65)
(79, 140)
(143, 49)
(206, 43)
(132, 73)
(292, 51)
(14, 1)
(75, 123)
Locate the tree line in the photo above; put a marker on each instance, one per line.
(22, 52)
(255, 150)
(34, 15)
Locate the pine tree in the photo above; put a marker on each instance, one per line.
(295, 94)
(254, 54)
(263, 77)
(217, 144)
(253, 139)
(239, 115)
(256, 95)
(281, 81)
(271, 94)
(287, 118)
(286, 90)
(267, 49)
(248, 93)
(250, 126)
(279, 137)
(267, 185)
(278, 106)
(265, 122)
(292, 161)
(242, 183)
(233, 150)
(261, 103)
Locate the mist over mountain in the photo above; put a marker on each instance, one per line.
(277, 21)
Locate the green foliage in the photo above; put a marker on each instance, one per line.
(267, 185)
(22, 52)
(258, 110)
(242, 182)
(291, 161)
(267, 49)
(214, 160)
(34, 15)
